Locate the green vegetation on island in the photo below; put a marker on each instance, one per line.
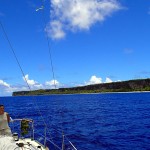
(124, 86)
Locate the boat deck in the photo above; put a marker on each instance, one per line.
(8, 143)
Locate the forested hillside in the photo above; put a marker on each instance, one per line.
(124, 86)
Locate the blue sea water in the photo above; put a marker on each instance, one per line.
(118, 121)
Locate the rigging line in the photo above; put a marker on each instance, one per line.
(50, 56)
(65, 135)
(14, 55)
(56, 146)
(22, 71)
(36, 107)
(49, 47)
(67, 139)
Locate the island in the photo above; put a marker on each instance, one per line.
(122, 86)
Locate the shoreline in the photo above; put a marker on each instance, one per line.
(88, 93)
(131, 86)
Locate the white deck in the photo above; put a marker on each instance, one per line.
(7, 143)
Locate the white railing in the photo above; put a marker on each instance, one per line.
(31, 130)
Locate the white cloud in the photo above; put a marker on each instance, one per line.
(32, 83)
(97, 80)
(35, 85)
(74, 15)
(52, 84)
(5, 88)
(108, 80)
(118, 81)
(55, 30)
(94, 80)
(4, 84)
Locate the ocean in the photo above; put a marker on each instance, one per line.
(115, 121)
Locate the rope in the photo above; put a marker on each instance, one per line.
(14, 54)
(51, 62)
(33, 98)
(48, 43)
(49, 51)
(50, 57)
(51, 142)
(66, 137)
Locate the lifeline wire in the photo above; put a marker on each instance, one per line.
(23, 76)
(21, 71)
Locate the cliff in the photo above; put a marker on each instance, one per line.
(124, 86)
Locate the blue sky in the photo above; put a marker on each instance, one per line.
(92, 41)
